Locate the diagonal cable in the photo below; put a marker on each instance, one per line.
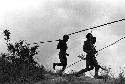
(99, 50)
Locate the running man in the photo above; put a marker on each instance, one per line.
(62, 54)
(91, 61)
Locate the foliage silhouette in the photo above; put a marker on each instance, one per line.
(20, 52)
(18, 64)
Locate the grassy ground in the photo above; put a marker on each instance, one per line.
(70, 79)
(75, 80)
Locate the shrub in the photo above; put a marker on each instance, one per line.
(18, 63)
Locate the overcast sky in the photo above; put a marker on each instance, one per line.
(42, 20)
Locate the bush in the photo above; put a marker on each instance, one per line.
(19, 64)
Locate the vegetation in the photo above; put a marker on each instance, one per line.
(18, 65)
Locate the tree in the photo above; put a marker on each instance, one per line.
(20, 52)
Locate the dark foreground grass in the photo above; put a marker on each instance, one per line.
(19, 74)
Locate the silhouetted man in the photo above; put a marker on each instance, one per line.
(62, 54)
(91, 61)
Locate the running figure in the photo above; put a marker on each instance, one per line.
(91, 61)
(62, 54)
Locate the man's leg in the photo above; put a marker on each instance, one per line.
(61, 54)
(64, 67)
(96, 67)
(64, 62)
(84, 70)
(96, 71)
(88, 63)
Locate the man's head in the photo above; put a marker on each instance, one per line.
(89, 36)
(65, 38)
